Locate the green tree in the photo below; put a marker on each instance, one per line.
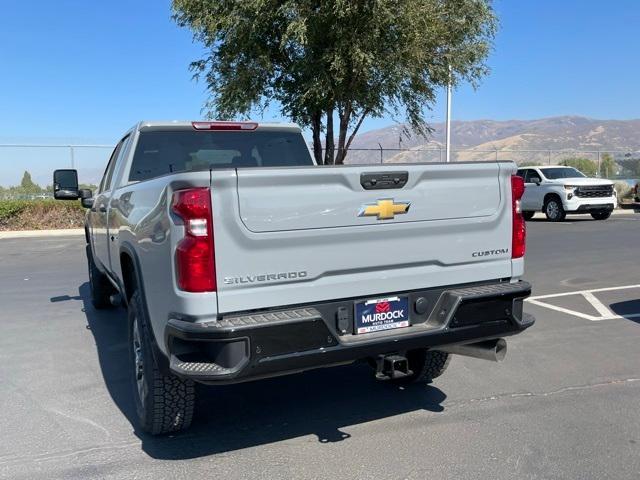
(608, 167)
(586, 166)
(336, 60)
(28, 185)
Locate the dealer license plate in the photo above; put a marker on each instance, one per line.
(382, 314)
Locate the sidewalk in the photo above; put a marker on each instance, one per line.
(80, 231)
(41, 233)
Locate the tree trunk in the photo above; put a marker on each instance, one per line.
(343, 147)
(345, 115)
(329, 141)
(316, 127)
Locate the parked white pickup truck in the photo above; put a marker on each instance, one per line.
(558, 190)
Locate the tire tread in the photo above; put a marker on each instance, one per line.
(171, 402)
(99, 284)
(427, 365)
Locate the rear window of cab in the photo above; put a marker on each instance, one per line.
(163, 152)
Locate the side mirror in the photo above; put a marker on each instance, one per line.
(86, 197)
(535, 180)
(65, 185)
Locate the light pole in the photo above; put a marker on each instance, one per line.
(448, 123)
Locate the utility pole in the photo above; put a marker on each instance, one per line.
(448, 123)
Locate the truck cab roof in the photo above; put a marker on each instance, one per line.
(159, 125)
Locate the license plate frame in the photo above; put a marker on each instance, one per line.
(381, 314)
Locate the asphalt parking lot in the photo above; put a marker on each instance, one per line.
(564, 403)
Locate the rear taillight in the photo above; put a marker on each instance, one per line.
(519, 231)
(224, 125)
(195, 258)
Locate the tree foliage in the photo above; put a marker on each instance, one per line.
(27, 184)
(608, 167)
(326, 61)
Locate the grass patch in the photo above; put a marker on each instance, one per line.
(40, 214)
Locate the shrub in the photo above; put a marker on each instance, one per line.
(11, 208)
(40, 214)
(623, 189)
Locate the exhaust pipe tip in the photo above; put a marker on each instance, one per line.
(500, 349)
(492, 350)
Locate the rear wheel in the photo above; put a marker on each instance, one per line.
(164, 402)
(601, 214)
(528, 215)
(426, 365)
(554, 210)
(99, 284)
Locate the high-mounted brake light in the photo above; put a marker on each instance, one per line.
(519, 229)
(195, 258)
(224, 125)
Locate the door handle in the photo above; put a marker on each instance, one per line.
(383, 180)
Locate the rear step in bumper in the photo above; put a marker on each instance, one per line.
(249, 346)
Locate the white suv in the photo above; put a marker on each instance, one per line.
(559, 190)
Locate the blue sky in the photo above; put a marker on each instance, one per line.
(78, 71)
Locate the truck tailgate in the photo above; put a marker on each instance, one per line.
(287, 236)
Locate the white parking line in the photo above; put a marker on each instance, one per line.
(597, 304)
(604, 312)
(593, 290)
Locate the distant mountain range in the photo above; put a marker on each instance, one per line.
(562, 135)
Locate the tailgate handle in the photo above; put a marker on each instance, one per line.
(383, 180)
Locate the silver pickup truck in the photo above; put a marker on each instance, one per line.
(239, 259)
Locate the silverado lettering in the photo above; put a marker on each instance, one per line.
(265, 277)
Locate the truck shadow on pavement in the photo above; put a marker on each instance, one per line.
(629, 309)
(228, 418)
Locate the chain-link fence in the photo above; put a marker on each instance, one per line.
(606, 163)
(39, 161)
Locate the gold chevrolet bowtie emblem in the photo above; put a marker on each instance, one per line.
(384, 209)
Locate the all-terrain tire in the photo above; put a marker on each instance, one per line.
(601, 214)
(528, 215)
(164, 402)
(426, 365)
(99, 285)
(554, 210)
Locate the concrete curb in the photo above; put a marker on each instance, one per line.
(623, 211)
(80, 231)
(41, 233)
